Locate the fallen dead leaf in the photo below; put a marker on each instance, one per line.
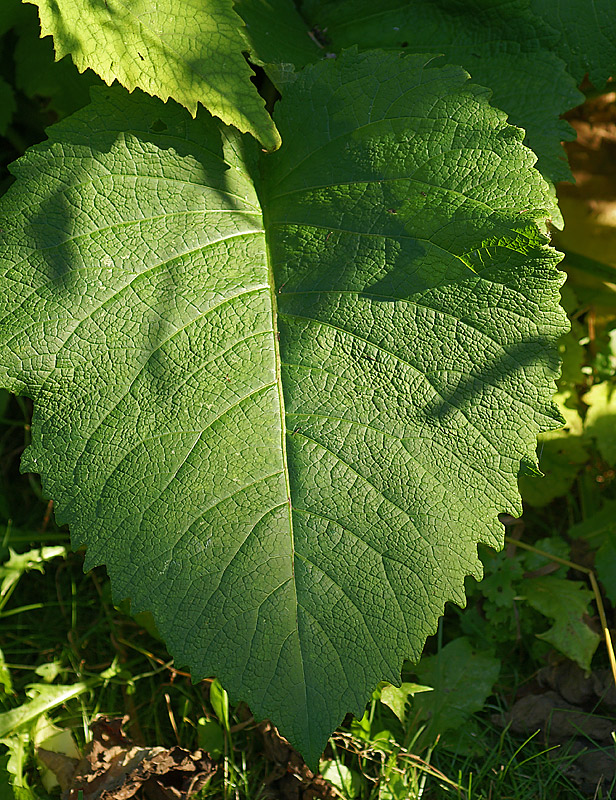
(558, 720)
(112, 768)
(586, 736)
(575, 686)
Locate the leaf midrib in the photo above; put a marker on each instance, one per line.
(283, 436)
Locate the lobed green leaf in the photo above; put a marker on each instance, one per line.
(190, 51)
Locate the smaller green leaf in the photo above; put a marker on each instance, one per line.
(462, 678)
(43, 699)
(219, 700)
(211, 737)
(397, 697)
(361, 727)
(20, 563)
(49, 670)
(498, 584)
(600, 421)
(347, 782)
(13, 783)
(566, 602)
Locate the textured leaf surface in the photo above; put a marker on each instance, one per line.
(190, 51)
(503, 46)
(587, 41)
(284, 420)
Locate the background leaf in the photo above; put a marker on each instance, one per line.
(503, 46)
(600, 420)
(11, 12)
(561, 455)
(395, 299)
(277, 33)
(462, 679)
(587, 41)
(7, 105)
(566, 602)
(38, 75)
(397, 697)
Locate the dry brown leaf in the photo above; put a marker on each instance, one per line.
(112, 768)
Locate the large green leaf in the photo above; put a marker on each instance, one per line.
(283, 401)
(504, 46)
(190, 51)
